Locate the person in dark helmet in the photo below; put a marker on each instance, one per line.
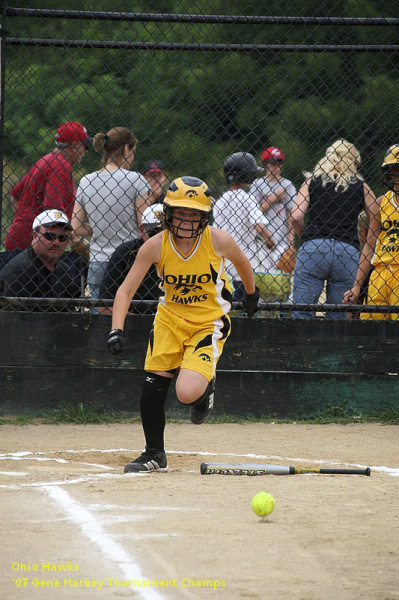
(192, 324)
(237, 212)
(240, 167)
(381, 250)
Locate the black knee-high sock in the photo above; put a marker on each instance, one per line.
(152, 409)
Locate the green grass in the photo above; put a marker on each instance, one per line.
(389, 415)
(79, 413)
(331, 413)
(18, 420)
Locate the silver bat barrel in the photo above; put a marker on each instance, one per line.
(245, 469)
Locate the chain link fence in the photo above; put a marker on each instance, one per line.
(173, 89)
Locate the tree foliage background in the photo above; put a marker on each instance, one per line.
(192, 109)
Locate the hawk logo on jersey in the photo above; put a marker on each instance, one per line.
(205, 357)
(188, 286)
(393, 235)
(185, 288)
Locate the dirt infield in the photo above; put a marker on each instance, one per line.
(75, 527)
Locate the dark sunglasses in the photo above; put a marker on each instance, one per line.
(51, 237)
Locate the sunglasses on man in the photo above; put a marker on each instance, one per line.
(51, 237)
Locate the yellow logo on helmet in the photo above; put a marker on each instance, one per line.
(392, 156)
(189, 192)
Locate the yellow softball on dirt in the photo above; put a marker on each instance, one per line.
(263, 504)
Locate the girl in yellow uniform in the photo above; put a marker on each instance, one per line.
(191, 324)
(381, 249)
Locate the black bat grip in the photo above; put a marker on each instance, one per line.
(346, 471)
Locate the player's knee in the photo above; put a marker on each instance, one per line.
(186, 396)
(190, 396)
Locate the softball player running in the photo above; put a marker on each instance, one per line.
(191, 324)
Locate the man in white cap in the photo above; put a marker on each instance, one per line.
(47, 184)
(37, 272)
(123, 258)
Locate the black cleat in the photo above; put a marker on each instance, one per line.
(150, 460)
(200, 412)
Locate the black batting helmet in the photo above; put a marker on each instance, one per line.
(240, 167)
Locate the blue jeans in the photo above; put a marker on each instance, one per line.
(319, 261)
(94, 277)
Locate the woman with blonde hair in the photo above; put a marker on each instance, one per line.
(325, 217)
(110, 202)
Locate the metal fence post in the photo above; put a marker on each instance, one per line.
(2, 100)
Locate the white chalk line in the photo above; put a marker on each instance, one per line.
(391, 471)
(37, 458)
(83, 479)
(93, 531)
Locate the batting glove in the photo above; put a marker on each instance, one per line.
(116, 341)
(251, 302)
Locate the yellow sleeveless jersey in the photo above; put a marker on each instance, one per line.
(194, 285)
(387, 247)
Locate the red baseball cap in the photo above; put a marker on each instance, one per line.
(273, 154)
(153, 166)
(71, 131)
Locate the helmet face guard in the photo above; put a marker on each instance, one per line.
(174, 224)
(389, 172)
(187, 193)
(389, 176)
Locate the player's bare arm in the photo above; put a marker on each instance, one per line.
(225, 245)
(149, 253)
(373, 212)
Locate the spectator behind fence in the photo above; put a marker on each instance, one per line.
(276, 198)
(48, 184)
(332, 197)
(237, 212)
(156, 177)
(110, 202)
(123, 259)
(381, 250)
(38, 272)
